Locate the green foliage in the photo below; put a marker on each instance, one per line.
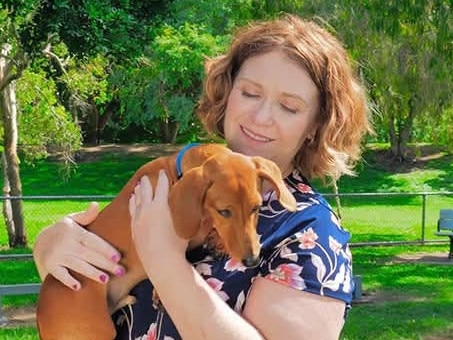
(43, 122)
(166, 84)
(218, 17)
(149, 54)
(87, 78)
(91, 27)
(403, 49)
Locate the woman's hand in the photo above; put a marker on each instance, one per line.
(152, 225)
(67, 245)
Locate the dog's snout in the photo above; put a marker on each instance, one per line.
(251, 261)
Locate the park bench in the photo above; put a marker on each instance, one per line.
(445, 227)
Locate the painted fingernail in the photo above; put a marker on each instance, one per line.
(103, 278)
(116, 257)
(119, 271)
(76, 286)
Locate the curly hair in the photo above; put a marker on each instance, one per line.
(343, 117)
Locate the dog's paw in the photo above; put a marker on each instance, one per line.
(128, 300)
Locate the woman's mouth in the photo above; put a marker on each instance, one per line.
(254, 136)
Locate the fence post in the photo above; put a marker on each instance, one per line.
(423, 217)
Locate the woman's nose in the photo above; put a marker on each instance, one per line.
(264, 113)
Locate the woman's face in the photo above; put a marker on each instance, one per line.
(272, 109)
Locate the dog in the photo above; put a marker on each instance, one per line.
(211, 188)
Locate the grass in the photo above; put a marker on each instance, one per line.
(408, 300)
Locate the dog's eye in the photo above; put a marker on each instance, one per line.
(225, 213)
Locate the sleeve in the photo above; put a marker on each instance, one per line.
(312, 254)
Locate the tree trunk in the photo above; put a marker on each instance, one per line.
(7, 209)
(400, 131)
(112, 107)
(8, 112)
(169, 131)
(90, 123)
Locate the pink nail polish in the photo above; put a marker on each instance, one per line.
(116, 258)
(103, 278)
(119, 271)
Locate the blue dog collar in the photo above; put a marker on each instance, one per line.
(180, 156)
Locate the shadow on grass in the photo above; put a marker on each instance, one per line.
(105, 177)
(401, 300)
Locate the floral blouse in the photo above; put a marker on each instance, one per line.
(305, 250)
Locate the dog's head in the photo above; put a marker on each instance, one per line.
(226, 192)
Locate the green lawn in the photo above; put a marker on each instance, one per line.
(406, 300)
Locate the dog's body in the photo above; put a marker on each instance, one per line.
(220, 189)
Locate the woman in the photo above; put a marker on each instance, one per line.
(285, 90)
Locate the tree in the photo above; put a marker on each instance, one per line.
(31, 29)
(13, 61)
(403, 49)
(162, 91)
(87, 41)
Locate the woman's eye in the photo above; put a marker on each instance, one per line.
(288, 109)
(250, 94)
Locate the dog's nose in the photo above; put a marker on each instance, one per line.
(251, 261)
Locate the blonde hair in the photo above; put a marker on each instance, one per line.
(343, 115)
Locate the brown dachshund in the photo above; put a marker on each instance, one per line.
(219, 189)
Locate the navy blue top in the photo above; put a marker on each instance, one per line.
(305, 250)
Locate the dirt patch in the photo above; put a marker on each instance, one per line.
(416, 157)
(439, 258)
(18, 317)
(433, 258)
(93, 153)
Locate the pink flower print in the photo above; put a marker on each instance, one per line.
(304, 188)
(232, 265)
(288, 274)
(217, 286)
(334, 245)
(151, 334)
(307, 239)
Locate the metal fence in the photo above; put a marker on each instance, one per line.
(372, 219)
(392, 218)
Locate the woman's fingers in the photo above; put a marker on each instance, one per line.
(72, 246)
(62, 275)
(98, 248)
(162, 187)
(86, 217)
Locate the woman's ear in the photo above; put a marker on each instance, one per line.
(186, 202)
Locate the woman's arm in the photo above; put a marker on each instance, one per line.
(272, 311)
(281, 312)
(65, 244)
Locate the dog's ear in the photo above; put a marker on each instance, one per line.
(186, 202)
(269, 171)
